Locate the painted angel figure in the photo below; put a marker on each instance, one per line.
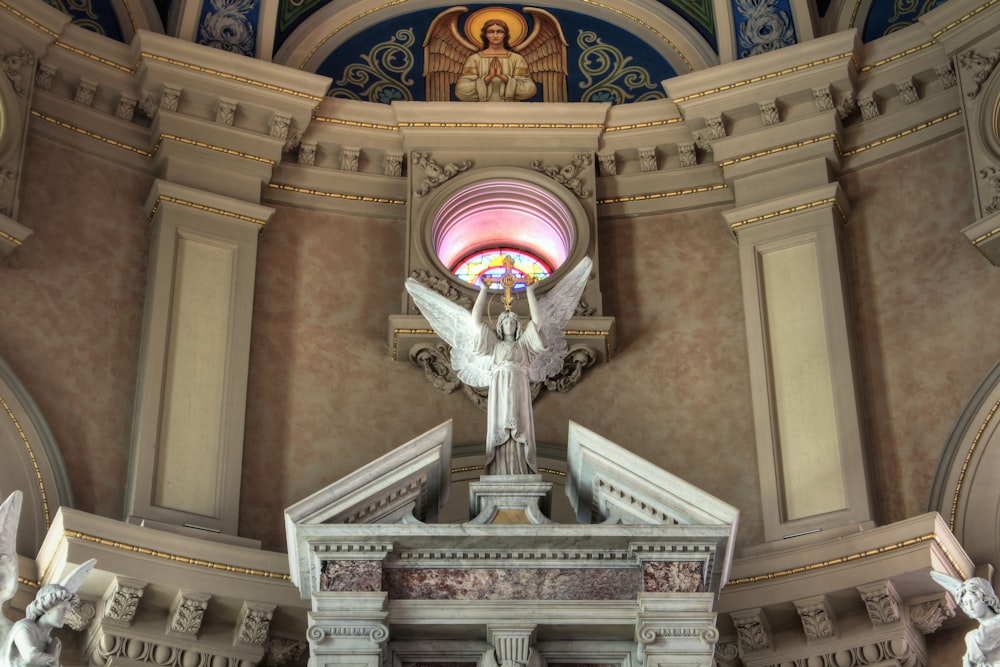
(979, 601)
(504, 66)
(506, 359)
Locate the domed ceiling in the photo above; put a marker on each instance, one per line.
(602, 51)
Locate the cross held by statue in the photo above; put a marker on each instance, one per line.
(508, 279)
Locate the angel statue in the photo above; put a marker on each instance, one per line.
(507, 358)
(495, 60)
(978, 600)
(28, 642)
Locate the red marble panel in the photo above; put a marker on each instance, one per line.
(350, 575)
(512, 584)
(673, 577)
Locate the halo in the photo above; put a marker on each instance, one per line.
(515, 21)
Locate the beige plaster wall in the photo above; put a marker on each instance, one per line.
(325, 397)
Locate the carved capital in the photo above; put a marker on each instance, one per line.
(823, 98)
(121, 600)
(225, 113)
(647, 159)
(85, 91)
(253, 624)
(752, 630)
(882, 602)
(282, 652)
(307, 153)
(171, 97)
(769, 112)
(81, 615)
(187, 613)
(280, 124)
(688, 154)
(394, 164)
(606, 164)
(349, 158)
(869, 107)
(817, 617)
(929, 615)
(125, 109)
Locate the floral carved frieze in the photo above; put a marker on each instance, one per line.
(435, 174)
(435, 359)
(569, 175)
(441, 286)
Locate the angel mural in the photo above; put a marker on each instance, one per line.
(507, 358)
(496, 60)
(29, 642)
(979, 601)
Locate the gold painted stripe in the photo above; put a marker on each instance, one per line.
(397, 332)
(965, 17)
(94, 57)
(230, 76)
(965, 464)
(550, 471)
(28, 582)
(606, 334)
(10, 239)
(176, 558)
(31, 457)
(92, 135)
(519, 126)
(355, 123)
(30, 21)
(897, 56)
(329, 36)
(854, 14)
(639, 126)
(201, 144)
(781, 149)
(902, 133)
(979, 240)
(765, 77)
(202, 207)
(785, 211)
(861, 555)
(661, 195)
(336, 195)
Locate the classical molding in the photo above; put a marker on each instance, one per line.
(753, 631)
(818, 621)
(253, 624)
(187, 613)
(121, 600)
(881, 601)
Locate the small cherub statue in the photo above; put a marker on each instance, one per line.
(979, 601)
(28, 642)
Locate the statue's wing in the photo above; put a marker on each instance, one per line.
(445, 53)
(454, 325)
(545, 52)
(557, 306)
(10, 512)
(74, 579)
(947, 582)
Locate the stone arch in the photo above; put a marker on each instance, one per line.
(32, 462)
(966, 487)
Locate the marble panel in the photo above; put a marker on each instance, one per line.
(512, 584)
(350, 575)
(673, 577)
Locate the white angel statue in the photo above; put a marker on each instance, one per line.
(28, 642)
(496, 60)
(507, 359)
(979, 601)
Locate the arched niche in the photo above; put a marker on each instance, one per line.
(966, 488)
(31, 462)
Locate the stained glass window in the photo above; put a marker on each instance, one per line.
(490, 262)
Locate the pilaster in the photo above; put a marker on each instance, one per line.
(347, 629)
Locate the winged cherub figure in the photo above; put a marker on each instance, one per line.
(506, 359)
(29, 642)
(978, 600)
(10, 512)
(505, 66)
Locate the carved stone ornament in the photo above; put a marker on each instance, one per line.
(716, 127)
(280, 124)
(170, 99)
(992, 177)
(579, 358)
(946, 75)
(980, 67)
(907, 91)
(881, 602)
(350, 158)
(606, 164)
(688, 154)
(823, 98)
(569, 174)
(187, 613)
(846, 106)
(125, 109)
(869, 107)
(752, 630)
(254, 623)
(435, 359)
(441, 286)
(877, 654)
(394, 164)
(727, 653)
(434, 173)
(15, 65)
(226, 112)
(80, 616)
(816, 617)
(45, 76)
(282, 652)
(307, 153)
(647, 159)
(931, 615)
(769, 112)
(85, 93)
(121, 601)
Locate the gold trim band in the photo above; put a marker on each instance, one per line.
(197, 562)
(230, 76)
(202, 207)
(336, 195)
(640, 126)
(861, 555)
(93, 135)
(965, 464)
(31, 457)
(781, 149)
(356, 123)
(902, 133)
(786, 211)
(201, 144)
(13, 240)
(661, 195)
(503, 126)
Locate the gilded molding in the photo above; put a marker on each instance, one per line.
(31, 456)
(336, 195)
(329, 35)
(897, 56)
(979, 240)
(211, 147)
(965, 464)
(30, 21)
(965, 17)
(93, 135)
(902, 133)
(228, 75)
(877, 551)
(794, 209)
(202, 207)
(770, 75)
(94, 57)
(640, 126)
(176, 558)
(500, 126)
(661, 195)
(547, 471)
(10, 239)
(781, 149)
(356, 123)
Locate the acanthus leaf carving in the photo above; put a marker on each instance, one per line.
(568, 175)
(434, 173)
(980, 66)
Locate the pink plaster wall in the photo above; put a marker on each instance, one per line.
(325, 397)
